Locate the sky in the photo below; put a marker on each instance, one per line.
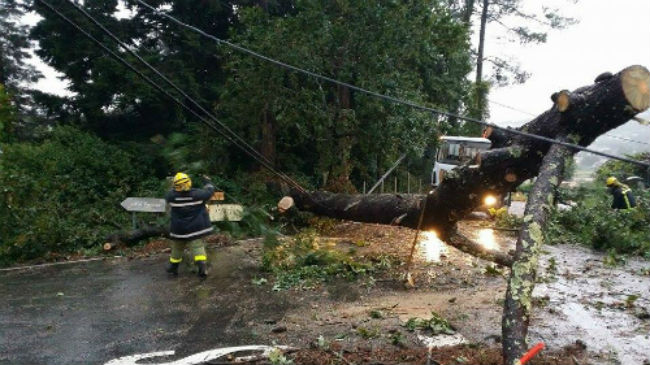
(610, 36)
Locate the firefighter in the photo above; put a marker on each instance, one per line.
(189, 221)
(622, 194)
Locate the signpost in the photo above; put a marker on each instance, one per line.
(225, 212)
(217, 212)
(148, 205)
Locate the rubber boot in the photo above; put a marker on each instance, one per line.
(202, 269)
(172, 269)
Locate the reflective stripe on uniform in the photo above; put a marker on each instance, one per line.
(176, 205)
(175, 261)
(183, 198)
(191, 234)
(627, 201)
(200, 258)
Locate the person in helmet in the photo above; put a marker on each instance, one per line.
(622, 194)
(189, 222)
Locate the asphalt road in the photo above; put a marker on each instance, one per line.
(91, 313)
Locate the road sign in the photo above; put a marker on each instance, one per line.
(150, 205)
(225, 212)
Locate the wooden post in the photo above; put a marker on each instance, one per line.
(395, 185)
(364, 187)
(135, 225)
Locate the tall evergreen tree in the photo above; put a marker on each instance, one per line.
(15, 70)
(414, 51)
(113, 101)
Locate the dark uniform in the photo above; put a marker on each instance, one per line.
(190, 219)
(623, 197)
(189, 222)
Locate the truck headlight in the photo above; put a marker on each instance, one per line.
(489, 200)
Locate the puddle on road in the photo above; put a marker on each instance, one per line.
(431, 247)
(486, 238)
(442, 340)
(590, 302)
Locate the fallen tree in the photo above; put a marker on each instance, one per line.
(578, 117)
(131, 237)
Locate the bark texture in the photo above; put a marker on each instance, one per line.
(132, 237)
(518, 303)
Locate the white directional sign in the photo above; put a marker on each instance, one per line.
(151, 205)
(225, 212)
(203, 357)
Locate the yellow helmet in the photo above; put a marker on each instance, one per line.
(612, 181)
(182, 182)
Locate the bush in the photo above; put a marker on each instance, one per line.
(593, 223)
(503, 219)
(622, 170)
(64, 194)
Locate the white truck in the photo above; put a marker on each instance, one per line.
(458, 150)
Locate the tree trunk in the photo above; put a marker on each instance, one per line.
(481, 42)
(518, 303)
(480, 90)
(268, 135)
(592, 111)
(132, 237)
(339, 173)
(467, 12)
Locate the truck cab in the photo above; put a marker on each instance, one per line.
(458, 150)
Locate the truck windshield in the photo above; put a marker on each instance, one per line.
(459, 152)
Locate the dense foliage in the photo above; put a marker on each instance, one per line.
(7, 115)
(623, 170)
(63, 194)
(413, 51)
(63, 185)
(592, 222)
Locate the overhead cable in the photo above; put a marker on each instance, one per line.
(533, 115)
(386, 97)
(207, 122)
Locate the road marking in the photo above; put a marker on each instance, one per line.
(195, 359)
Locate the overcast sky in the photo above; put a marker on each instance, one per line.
(610, 35)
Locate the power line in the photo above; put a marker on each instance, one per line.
(386, 97)
(252, 151)
(165, 92)
(533, 115)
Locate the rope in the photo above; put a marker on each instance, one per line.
(409, 277)
(386, 97)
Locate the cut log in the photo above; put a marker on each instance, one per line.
(132, 237)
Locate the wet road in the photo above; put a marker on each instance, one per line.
(90, 313)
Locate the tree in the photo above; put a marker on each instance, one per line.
(7, 116)
(15, 71)
(117, 103)
(579, 117)
(503, 12)
(415, 51)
